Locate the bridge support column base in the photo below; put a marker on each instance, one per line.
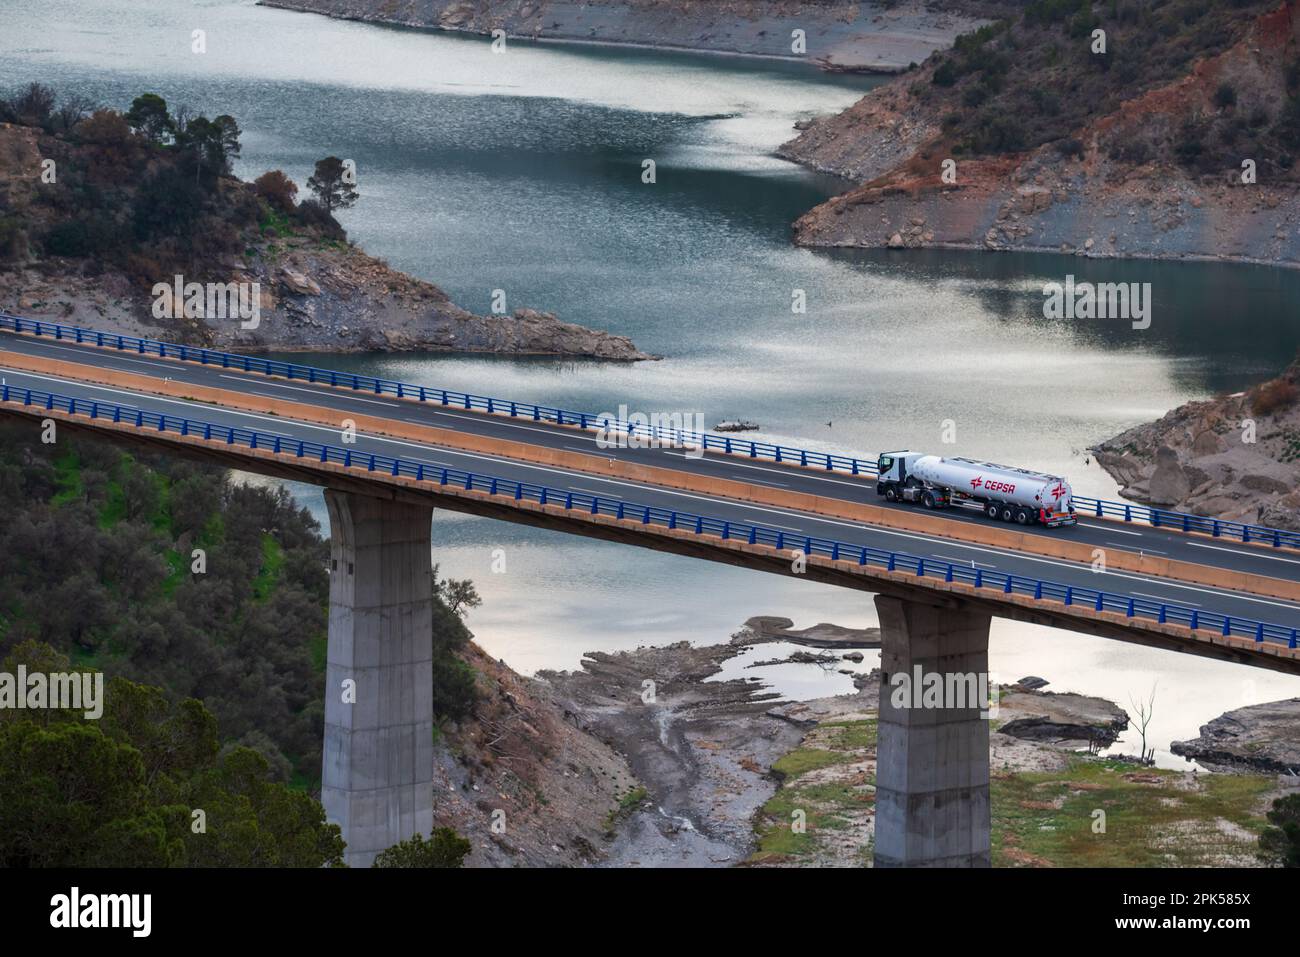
(377, 774)
(932, 768)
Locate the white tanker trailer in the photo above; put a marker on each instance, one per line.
(1000, 491)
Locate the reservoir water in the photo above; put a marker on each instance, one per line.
(522, 172)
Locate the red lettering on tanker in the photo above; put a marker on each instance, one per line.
(991, 485)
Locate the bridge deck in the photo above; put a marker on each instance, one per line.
(1280, 564)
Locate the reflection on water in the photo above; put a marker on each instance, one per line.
(522, 172)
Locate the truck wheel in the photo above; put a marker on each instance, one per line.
(928, 500)
(891, 494)
(991, 510)
(1007, 514)
(1022, 517)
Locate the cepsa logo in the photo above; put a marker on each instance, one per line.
(993, 486)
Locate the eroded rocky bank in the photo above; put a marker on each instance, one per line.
(1134, 178)
(313, 297)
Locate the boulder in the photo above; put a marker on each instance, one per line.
(1169, 484)
(1266, 484)
(298, 282)
(1282, 513)
(1032, 199)
(1208, 443)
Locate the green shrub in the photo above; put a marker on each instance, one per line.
(1280, 844)
(1225, 96)
(444, 848)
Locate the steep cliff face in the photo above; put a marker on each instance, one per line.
(883, 37)
(1195, 157)
(1235, 457)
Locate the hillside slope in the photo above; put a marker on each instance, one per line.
(1135, 152)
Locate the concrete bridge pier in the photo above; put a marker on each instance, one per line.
(377, 775)
(932, 772)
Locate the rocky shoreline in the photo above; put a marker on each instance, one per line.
(313, 298)
(860, 37)
(1260, 738)
(1235, 457)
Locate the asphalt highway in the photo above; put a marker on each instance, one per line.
(1109, 535)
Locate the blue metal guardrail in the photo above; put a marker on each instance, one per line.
(588, 504)
(1128, 512)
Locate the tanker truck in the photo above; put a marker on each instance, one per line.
(999, 491)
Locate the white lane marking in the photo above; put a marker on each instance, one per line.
(81, 350)
(775, 484)
(1132, 551)
(279, 385)
(965, 561)
(863, 484)
(1238, 551)
(1161, 598)
(1113, 531)
(479, 417)
(807, 517)
(592, 491)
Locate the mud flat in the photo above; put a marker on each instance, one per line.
(702, 749)
(714, 756)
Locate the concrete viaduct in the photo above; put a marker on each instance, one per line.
(1220, 590)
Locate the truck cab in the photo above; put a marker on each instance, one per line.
(897, 483)
(893, 467)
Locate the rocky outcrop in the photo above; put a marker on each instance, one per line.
(1058, 717)
(523, 755)
(1261, 737)
(1235, 457)
(867, 36)
(312, 299)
